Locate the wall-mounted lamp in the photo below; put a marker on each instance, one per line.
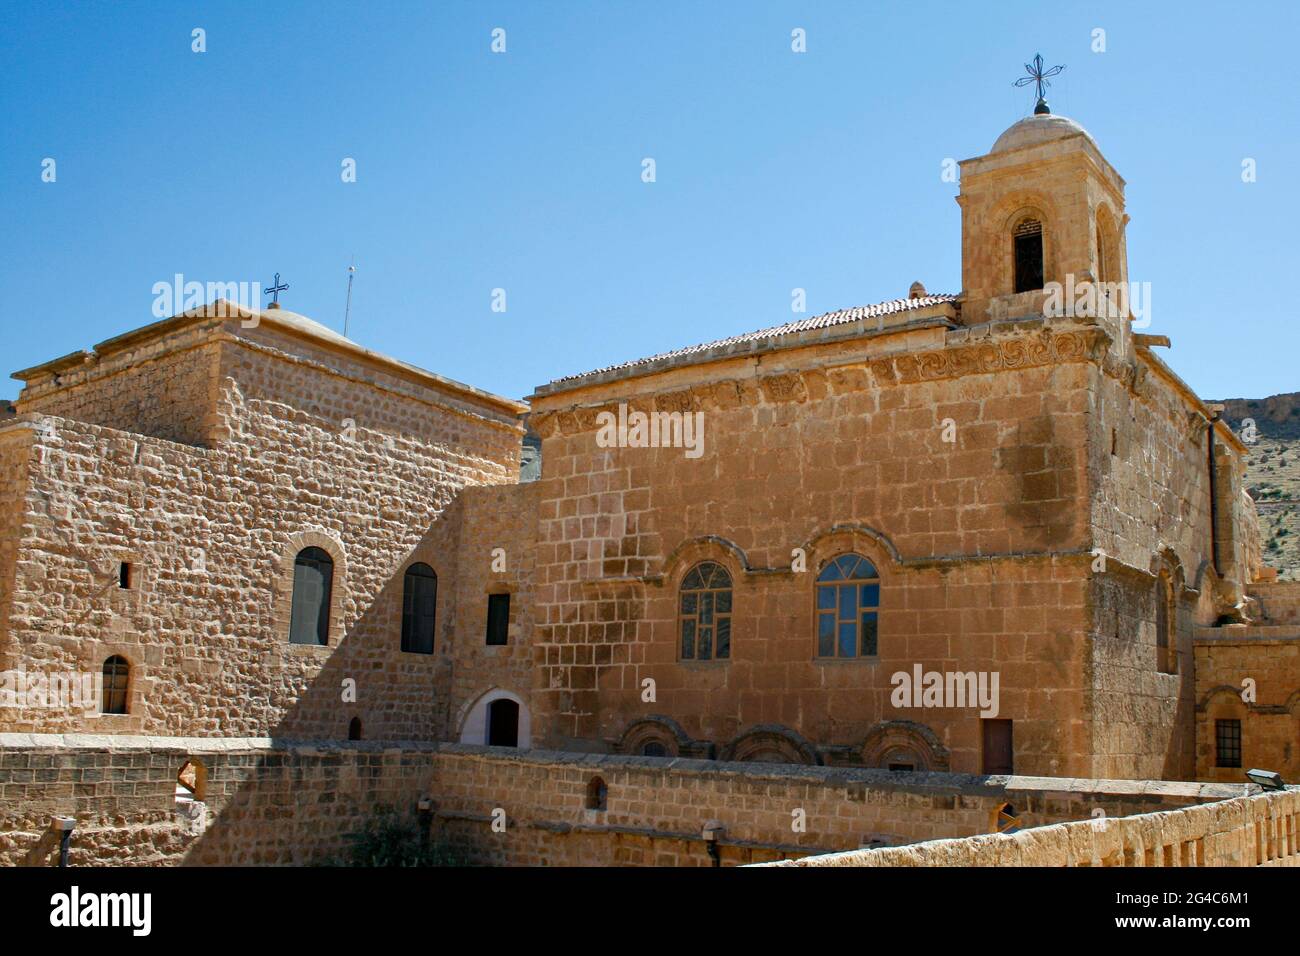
(1267, 779)
(64, 826)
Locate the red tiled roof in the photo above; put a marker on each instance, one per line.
(839, 317)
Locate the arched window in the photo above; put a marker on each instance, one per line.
(848, 603)
(1166, 632)
(117, 682)
(654, 748)
(1027, 244)
(354, 728)
(503, 723)
(705, 613)
(192, 781)
(1107, 235)
(313, 577)
(597, 794)
(419, 602)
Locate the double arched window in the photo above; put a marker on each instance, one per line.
(704, 613)
(419, 604)
(313, 579)
(848, 606)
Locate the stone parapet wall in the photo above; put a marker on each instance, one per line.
(1259, 830)
(1279, 601)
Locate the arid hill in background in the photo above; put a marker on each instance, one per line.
(1273, 474)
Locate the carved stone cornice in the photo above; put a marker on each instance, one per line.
(1045, 347)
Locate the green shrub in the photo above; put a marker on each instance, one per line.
(391, 840)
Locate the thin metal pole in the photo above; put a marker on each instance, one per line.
(352, 271)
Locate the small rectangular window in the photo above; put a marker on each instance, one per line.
(124, 575)
(1227, 743)
(498, 618)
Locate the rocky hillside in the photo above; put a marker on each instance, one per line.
(1273, 474)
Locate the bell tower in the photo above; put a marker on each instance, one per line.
(1044, 207)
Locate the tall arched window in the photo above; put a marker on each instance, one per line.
(419, 602)
(313, 577)
(704, 614)
(1027, 243)
(1166, 632)
(1107, 246)
(848, 604)
(117, 683)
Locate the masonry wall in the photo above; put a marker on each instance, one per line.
(211, 534)
(1231, 665)
(502, 517)
(828, 451)
(264, 803)
(15, 452)
(1260, 830)
(1149, 484)
(160, 388)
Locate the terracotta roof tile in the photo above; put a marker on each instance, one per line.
(826, 320)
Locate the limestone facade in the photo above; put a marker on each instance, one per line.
(1038, 496)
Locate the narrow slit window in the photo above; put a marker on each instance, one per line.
(498, 619)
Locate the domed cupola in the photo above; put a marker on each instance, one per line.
(1039, 128)
(1042, 207)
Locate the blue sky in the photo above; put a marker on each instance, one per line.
(522, 170)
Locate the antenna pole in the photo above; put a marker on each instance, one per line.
(352, 271)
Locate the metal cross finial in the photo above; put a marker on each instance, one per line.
(276, 289)
(1039, 77)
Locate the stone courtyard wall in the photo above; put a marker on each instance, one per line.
(268, 802)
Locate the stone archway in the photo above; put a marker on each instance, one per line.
(904, 745)
(771, 743)
(654, 737)
(488, 716)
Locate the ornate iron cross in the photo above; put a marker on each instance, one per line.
(276, 289)
(1039, 77)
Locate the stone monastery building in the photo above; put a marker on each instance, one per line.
(251, 526)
